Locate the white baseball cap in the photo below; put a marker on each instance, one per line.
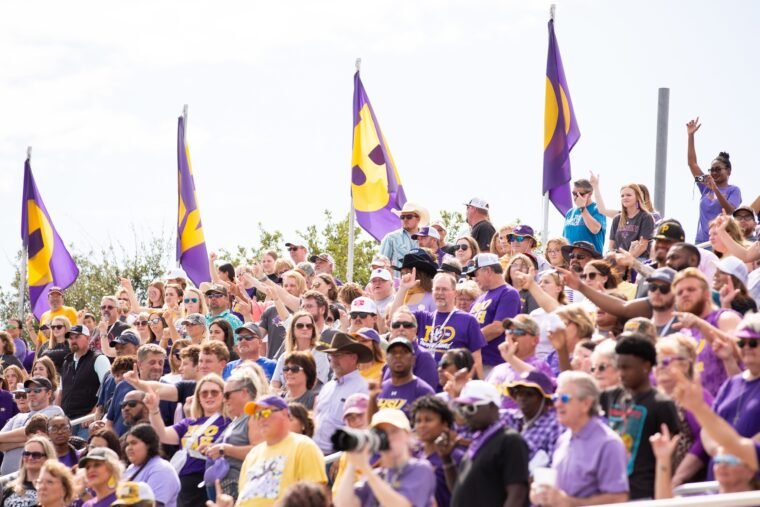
(733, 266)
(381, 273)
(476, 391)
(363, 304)
(477, 202)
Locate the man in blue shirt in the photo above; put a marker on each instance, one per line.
(585, 222)
(248, 348)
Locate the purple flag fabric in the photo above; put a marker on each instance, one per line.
(49, 263)
(191, 244)
(375, 184)
(560, 129)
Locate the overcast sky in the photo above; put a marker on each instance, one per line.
(458, 88)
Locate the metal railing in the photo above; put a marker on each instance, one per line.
(745, 499)
(696, 488)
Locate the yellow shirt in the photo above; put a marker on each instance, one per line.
(64, 311)
(372, 372)
(269, 470)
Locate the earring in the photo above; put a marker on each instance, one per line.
(111, 482)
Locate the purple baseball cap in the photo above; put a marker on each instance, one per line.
(267, 402)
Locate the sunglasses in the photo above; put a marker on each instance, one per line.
(265, 413)
(715, 169)
(518, 239)
(407, 217)
(19, 396)
(33, 455)
(228, 394)
(360, 315)
(37, 390)
(654, 287)
(721, 459)
(329, 320)
(215, 295)
(248, 337)
(107, 307)
(141, 323)
(580, 257)
(131, 404)
(580, 194)
(406, 325)
(44, 327)
(209, 394)
(11, 326)
(517, 332)
(564, 398)
(589, 276)
(601, 368)
(124, 300)
(292, 248)
(666, 361)
(306, 325)
(294, 368)
(155, 320)
(176, 354)
(57, 327)
(444, 364)
(190, 300)
(748, 343)
(464, 247)
(469, 409)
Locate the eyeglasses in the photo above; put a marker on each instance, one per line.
(11, 326)
(580, 194)
(666, 361)
(589, 276)
(292, 248)
(265, 413)
(37, 390)
(33, 455)
(329, 320)
(518, 239)
(19, 396)
(124, 300)
(57, 327)
(215, 295)
(654, 287)
(247, 337)
(553, 251)
(190, 300)
(131, 404)
(580, 257)
(360, 315)
(59, 428)
(564, 398)
(468, 409)
(213, 393)
(294, 368)
(463, 247)
(748, 343)
(306, 325)
(406, 325)
(107, 307)
(176, 354)
(726, 459)
(600, 368)
(743, 217)
(228, 394)
(517, 332)
(141, 323)
(44, 327)
(407, 217)
(155, 320)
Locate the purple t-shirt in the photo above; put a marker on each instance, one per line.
(439, 332)
(738, 402)
(105, 502)
(442, 492)
(8, 407)
(709, 207)
(401, 397)
(503, 374)
(709, 366)
(185, 429)
(425, 367)
(415, 481)
(495, 305)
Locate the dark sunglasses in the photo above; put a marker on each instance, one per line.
(190, 300)
(519, 239)
(57, 327)
(248, 337)
(463, 247)
(517, 332)
(516, 391)
(664, 289)
(589, 276)
(33, 454)
(580, 194)
(141, 323)
(407, 217)
(601, 368)
(292, 248)
(228, 394)
(107, 307)
(360, 315)
(215, 295)
(155, 320)
(302, 325)
(37, 390)
(293, 368)
(748, 343)
(19, 396)
(44, 327)
(406, 325)
(131, 404)
(580, 257)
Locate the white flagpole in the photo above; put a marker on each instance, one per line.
(24, 260)
(351, 222)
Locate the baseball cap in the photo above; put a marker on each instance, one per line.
(78, 329)
(746, 208)
(523, 230)
(523, 322)
(363, 304)
(175, 273)
(194, 318)
(481, 261)
(380, 260)
(98, 454)
(400, 340)
(55, 289)
(126, 338)
(430, 232)
(132, 493)
(381, 273)
(368, 334)
(267, 402)
(249, 326)
(306, 267)
(477, 202)
(357, 403)
(323, 257)
(733, 266)
(38, 381)
(662, 275)
(392, 416)
(476, 391)
(216, 287)
(670, 230)
(296, 244)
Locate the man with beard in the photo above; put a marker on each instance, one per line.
(133, 409)
(579, 254)
(110, 326)
(403, 388)
(81, 375)
(219, 306)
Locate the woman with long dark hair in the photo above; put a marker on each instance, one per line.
(142, 448)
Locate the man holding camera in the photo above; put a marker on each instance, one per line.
(401, 479)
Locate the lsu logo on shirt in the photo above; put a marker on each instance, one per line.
(440, 339)
(207, 437)
(479, 310)
(390, 403)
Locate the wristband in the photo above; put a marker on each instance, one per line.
(582, 208)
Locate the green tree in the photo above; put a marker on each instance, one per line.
(455, 225)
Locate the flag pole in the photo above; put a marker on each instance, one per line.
(545, 230)
(184, 124)
(24, 259)
(351, 220)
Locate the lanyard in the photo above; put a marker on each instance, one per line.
(437, 332)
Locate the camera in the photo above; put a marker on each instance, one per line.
(347, 439)
(701, 178)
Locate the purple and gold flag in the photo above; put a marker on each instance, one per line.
(49, 264)
(375, 185)
(191, 245)
(560, 129)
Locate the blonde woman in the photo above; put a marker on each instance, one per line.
(57, 348)
(302, 335)
(633, 228)
(102, 474)
(578, 325)
(193, 302)
(21, 491)
(467, 293)
(55, 485)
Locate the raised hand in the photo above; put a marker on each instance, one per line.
(455, 383)
(687, 393)
(151, 400)
(571, 278)
(728, 293)
(593, 179)
(524, 280)
(126, 283)
(693, 126)
(409, 280)
(663, 444)
(212, 256)
(508, 348)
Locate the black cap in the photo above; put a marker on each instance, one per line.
(38, 381)
(250, 327)
(400, 340)
(670, 230)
